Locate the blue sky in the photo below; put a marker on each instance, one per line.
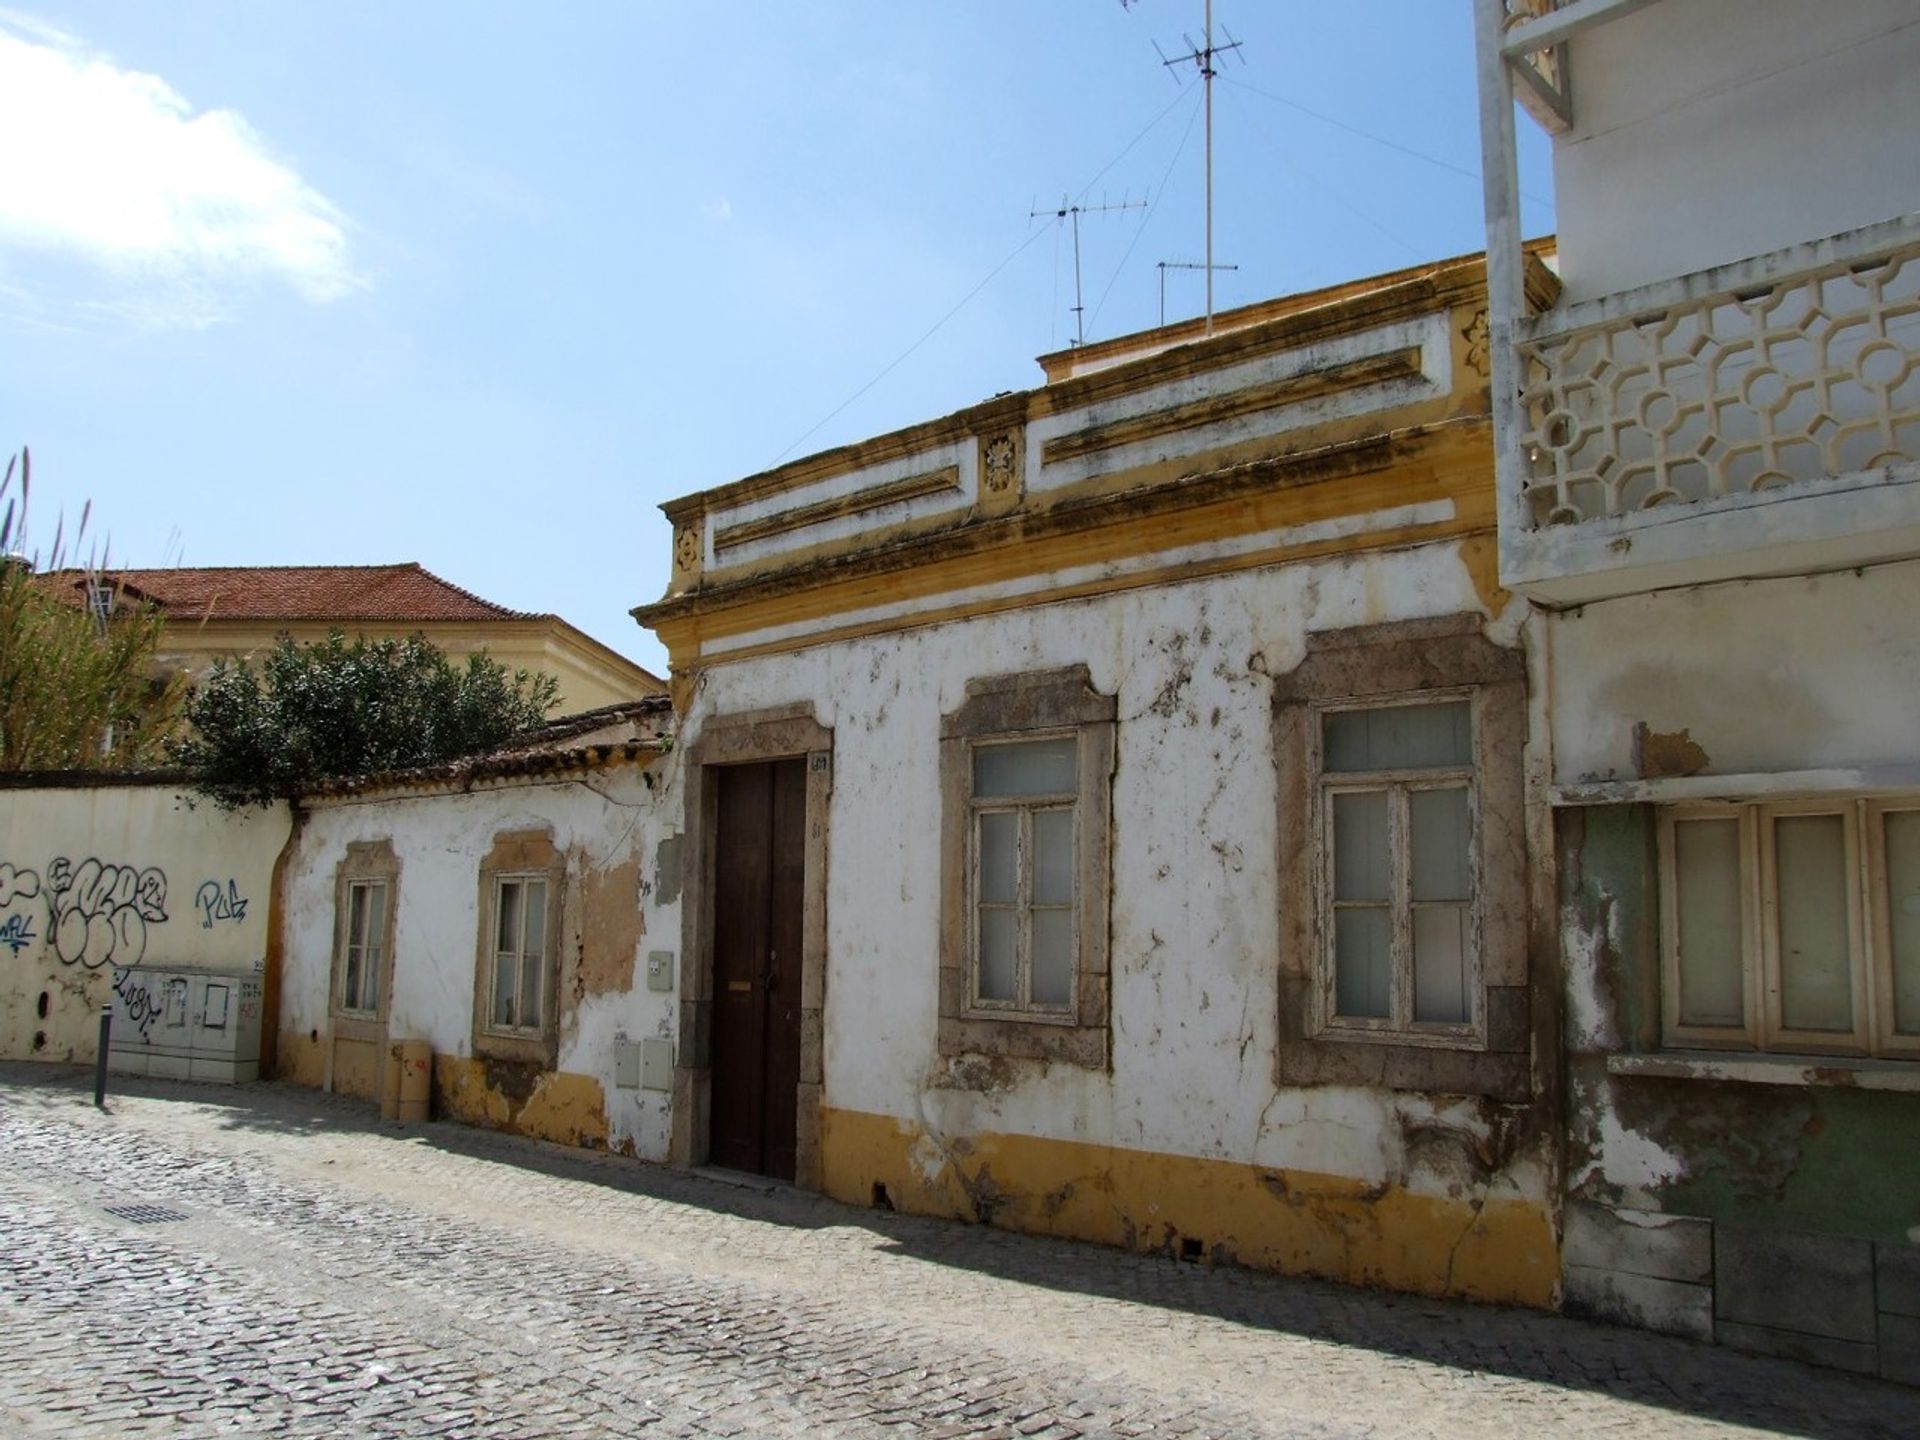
(480, 284)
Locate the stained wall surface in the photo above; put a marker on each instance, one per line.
(1707, 131)
(96, 879)
(1185, 1143)
(618, 896)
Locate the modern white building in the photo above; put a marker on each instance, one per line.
(1709, 486)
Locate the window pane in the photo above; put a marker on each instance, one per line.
(1440, 964)
(1706, 865)
(1362, 958)
(1053, 857)
(999, 856)
(356, 914)
(1032, 767)
(1442, 844)
(503, 980)
(350, 986)
(1052, 957)
(507, 916)
(530, 988)
(1361, 868)
(1400, 737)
(534, 937)
(1815, 975)
(996, 955)
(1903, 910)
(376, 918)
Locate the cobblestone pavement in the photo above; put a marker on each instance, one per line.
(304, 1269)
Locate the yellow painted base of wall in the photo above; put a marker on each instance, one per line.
(1297, 1222)
(300, 1059)
(545, 1105)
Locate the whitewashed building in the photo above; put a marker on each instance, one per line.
(1709, 486)
(1109, 808)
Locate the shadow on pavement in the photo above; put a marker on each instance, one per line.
(1671, 1374)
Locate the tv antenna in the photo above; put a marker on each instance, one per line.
(1166, 265)
(1203, 55)
(1068, 210)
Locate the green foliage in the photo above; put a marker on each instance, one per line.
(330, 710)
(76, 692)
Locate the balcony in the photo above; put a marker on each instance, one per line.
(1759, 418)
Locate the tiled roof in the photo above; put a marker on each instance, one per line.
(406, 593)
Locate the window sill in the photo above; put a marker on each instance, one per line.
(1846, 1072)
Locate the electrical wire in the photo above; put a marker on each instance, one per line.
(1152, 205)
(1408, 150)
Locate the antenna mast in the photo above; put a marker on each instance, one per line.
(1068, 210)
(1203, 55)
(1166, 265)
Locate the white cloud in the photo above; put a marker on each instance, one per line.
(114, 167)
(718, 211)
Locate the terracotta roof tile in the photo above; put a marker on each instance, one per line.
(406, 593)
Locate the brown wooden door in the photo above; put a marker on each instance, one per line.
(759, 857)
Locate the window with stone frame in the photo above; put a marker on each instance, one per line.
(1403, 874)
(366, 894)
(1792, 926)
(517, 967)
(1026, 778)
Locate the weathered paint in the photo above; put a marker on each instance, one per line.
(1402, 1188)
(97, 878)
(608, 826)
(1818, 1157)
(506, 1095)
(1476, 1244)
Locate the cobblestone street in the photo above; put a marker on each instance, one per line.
(266, 1260)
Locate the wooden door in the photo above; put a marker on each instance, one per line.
(759, 863)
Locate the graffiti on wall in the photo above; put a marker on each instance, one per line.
(141, 1004)
(213, 903)
(16, 931)
(101, 911)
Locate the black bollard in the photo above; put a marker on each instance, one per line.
(100, 1061)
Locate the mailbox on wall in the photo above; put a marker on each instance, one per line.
(186, 1022)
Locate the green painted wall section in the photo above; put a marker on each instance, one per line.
(1823, 1158)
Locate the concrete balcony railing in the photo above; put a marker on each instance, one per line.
(1754, 419)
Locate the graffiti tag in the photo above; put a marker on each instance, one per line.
(214, 903)
(17, 884)
(144, 1006)
(101, 912)
(16, 933)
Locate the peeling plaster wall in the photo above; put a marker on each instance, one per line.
(1194, 936)
(611, 828)
(93, 880)
(1736, 126)
(1797, 673)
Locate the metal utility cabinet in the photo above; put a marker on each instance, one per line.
(186, 1022)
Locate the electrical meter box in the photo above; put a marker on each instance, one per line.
(186, 1022)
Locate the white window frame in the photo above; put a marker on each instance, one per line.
(1399, 1024)
(522, 878)
(371, 983)
(1869, 938)
(1022, 1006)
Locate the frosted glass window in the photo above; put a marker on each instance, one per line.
(1363, 962)
(1400, 737)
(1903, 916)
(1025, 769)
(1052, 857)
(366, 939)
(998, 977)
(1051, 957)
(1440, 964)
(1810, 862)
(1707, 873)
(1362, 863)
(520, 947)
(1442, 845)
(999, 856)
